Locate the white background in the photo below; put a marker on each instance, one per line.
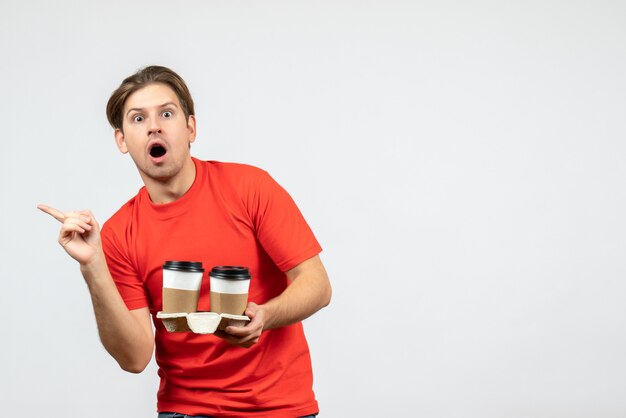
(461, 163)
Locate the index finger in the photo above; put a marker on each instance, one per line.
(242, 330)
(55, 213)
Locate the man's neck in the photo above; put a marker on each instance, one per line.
(171, 189)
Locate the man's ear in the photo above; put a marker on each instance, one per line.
(191, 128)
(120, 141)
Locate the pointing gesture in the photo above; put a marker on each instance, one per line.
(80, 233)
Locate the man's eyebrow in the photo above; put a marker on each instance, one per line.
(139, 109)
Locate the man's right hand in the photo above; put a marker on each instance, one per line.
(80, 233)
(126, 335)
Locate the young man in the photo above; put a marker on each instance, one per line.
(216, 213)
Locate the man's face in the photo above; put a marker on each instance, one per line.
(156, 132)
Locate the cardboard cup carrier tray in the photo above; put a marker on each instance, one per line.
(200, 322)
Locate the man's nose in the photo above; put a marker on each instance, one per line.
(154, 127)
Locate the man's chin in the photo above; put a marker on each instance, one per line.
(158, 172)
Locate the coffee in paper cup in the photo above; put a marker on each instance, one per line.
(229, 289)
(181, 286)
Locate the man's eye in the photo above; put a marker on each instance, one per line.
(138, 118)
(167, 114)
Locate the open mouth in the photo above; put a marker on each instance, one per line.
(157, 151)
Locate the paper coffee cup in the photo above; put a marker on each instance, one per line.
(229, 289)
(181, 286)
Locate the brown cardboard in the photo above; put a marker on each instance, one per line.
(203, 322)
(234, 320)
(174, 322)
(200, 322)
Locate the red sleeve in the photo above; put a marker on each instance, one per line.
(280, 227)
(124, 274)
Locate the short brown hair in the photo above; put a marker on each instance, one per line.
(142, 78)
